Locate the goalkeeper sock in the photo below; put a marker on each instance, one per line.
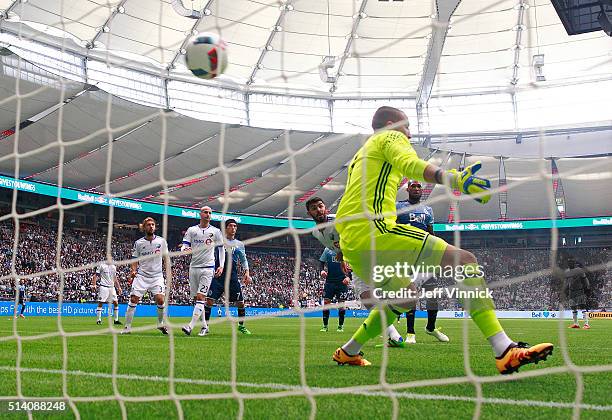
(341, 313)
(432, 315)
(207, 311)
(129, 314)
(325, 317)
(370, 328)
(197, 313)
(575, 315)
(116, 312)
(410, 317)
(241, 314)
(98, 313)
(393, 333)
(23, 306)
(160, 314)
(585, 317)
(500, 342)
(482, 310)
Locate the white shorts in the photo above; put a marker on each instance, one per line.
(199, 280)
(107, 294)
(153, 285)
(360, 286)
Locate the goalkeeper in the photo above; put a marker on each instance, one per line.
(376, 246)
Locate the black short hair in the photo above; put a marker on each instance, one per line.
(384, 114)
(229, 221)
(312, 201)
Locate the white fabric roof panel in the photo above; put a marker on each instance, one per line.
(387, 55)
(471, 210)
(439, 200)
(136, 150)
(586, 186)
(47, 87)
(277, 174)
(532, 199)
(307, 177)
(272, 151)
(83, 128)
(193, 162)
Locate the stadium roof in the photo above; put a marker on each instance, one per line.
(100, 86)
(379, 47)
(267, 169)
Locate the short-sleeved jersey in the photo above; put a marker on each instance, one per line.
(150, 267)
(21, 289)
(107, 273)
(418, 215)
(373, 176)
(236, 249)
(334, 268)
(203, 242)
(328, 236)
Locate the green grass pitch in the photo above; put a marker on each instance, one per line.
(268, 366)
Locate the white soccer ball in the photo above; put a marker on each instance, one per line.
(206, 55)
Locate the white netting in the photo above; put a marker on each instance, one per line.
(137, 150)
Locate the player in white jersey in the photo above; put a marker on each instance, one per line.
(108, 288)
(147, 274)
(330, 238)
(202, 239)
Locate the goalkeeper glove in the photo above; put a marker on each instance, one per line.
(468, 183)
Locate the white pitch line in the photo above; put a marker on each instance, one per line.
(314, 390)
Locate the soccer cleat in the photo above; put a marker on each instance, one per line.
(438, 334)
(163, 329)
(117, 322)
(400, 343)
(586, 327)
(98, 322)
(186, 329)
(203, 332)
(574, 326)
(343, 358)
(126, 330)
(410, 338)
(324, 329)
(340, 328)
(22, 316)
(244, 330)
(521, 354)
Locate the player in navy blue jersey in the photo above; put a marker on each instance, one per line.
(234, 250)
(413, 212)
(336, 286)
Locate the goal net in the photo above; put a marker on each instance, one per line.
(102, 125)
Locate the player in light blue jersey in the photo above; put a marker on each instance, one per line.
(413, 212)
(236, 252)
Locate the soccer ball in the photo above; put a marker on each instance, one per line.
(206, 55)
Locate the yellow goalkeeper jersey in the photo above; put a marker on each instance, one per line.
(371, 187)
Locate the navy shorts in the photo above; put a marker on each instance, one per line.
(217, 289)
(335, 290)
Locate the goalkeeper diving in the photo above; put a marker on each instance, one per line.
(372, 241)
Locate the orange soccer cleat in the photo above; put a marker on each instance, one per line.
(586, 327)
(343, 358)
(521, 354)
(574, 326)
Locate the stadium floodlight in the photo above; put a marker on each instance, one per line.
(538, 64)
(329, 62)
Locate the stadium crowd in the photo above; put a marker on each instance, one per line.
(272, 270)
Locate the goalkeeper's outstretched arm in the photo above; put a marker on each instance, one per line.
(398, 151)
